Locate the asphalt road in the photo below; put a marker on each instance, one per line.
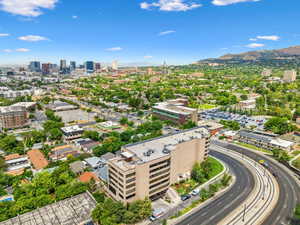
(216, 210)
(289, 194)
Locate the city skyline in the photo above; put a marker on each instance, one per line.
(178, 31)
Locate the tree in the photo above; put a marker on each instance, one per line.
(10, 144)
(94, 135)
(109, 212)
(123, 121)
(244, 97)
(55, 134)
(188, 125)
(198, 174)
(230, 124)
(279, 125)
(226, 179)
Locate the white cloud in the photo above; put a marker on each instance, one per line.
(4, 35)
(32, 38)
(230, 2)
(148, 57)
(269, 38)
(255, 45)
(114, 49)
(166, 32)
(252, 39)
(171, 5)
(31, 8)
(7, 50)
(74, 17)
(22, 50)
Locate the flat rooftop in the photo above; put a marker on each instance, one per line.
(177, 109)
(71, 211)
(159, 147)
(71, 129)
(8, 109)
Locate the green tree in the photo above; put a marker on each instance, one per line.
(94, 135)
(198, 174)
(279, 125)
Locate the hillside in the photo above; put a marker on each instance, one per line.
(281, 57)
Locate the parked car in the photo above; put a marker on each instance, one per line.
(185, 197)
(195, 192)
(156, 214)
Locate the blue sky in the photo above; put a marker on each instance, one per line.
(143, 31)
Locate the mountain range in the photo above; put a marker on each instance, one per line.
(287, 56)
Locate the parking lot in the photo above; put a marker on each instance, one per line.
(243, 120)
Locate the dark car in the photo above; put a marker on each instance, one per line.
(185, 197)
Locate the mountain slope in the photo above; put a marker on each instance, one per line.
(285, 56)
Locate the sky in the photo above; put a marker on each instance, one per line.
(143, 31)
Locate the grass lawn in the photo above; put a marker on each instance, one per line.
(185, 187)
(295, 153)
(254, 147)
(188, 185)
(206, 106)
(296, 163)
(217, 167)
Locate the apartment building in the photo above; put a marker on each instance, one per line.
(13, 117)
(247, 104)
(72, 132)
(264, 140)
(16, 162)
(148, 168)
(176, 111)
(289, 75)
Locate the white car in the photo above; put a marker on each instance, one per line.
(195, 192)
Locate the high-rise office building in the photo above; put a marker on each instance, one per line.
(46, 68)
(35, 66)
(63, 67)
(97, 66)
(114, 65)
(289, 75)
(89, 66)
(63, 64)
(72, 65)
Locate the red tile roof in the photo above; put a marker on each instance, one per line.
(87, 176)
(12, 156)
(37, 159)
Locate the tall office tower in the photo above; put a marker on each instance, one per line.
(97, 66)
(35, 66)
(165, 68)
(46, 68)
(72, 65)
(289, 75)
(63, 64)
(114, 65)
(89, 66)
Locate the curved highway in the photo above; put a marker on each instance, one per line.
(219, 208)
(289, 194)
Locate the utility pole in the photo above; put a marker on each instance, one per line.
(263, 195)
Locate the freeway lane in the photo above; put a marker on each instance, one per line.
(216, 210)
(289, 194)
